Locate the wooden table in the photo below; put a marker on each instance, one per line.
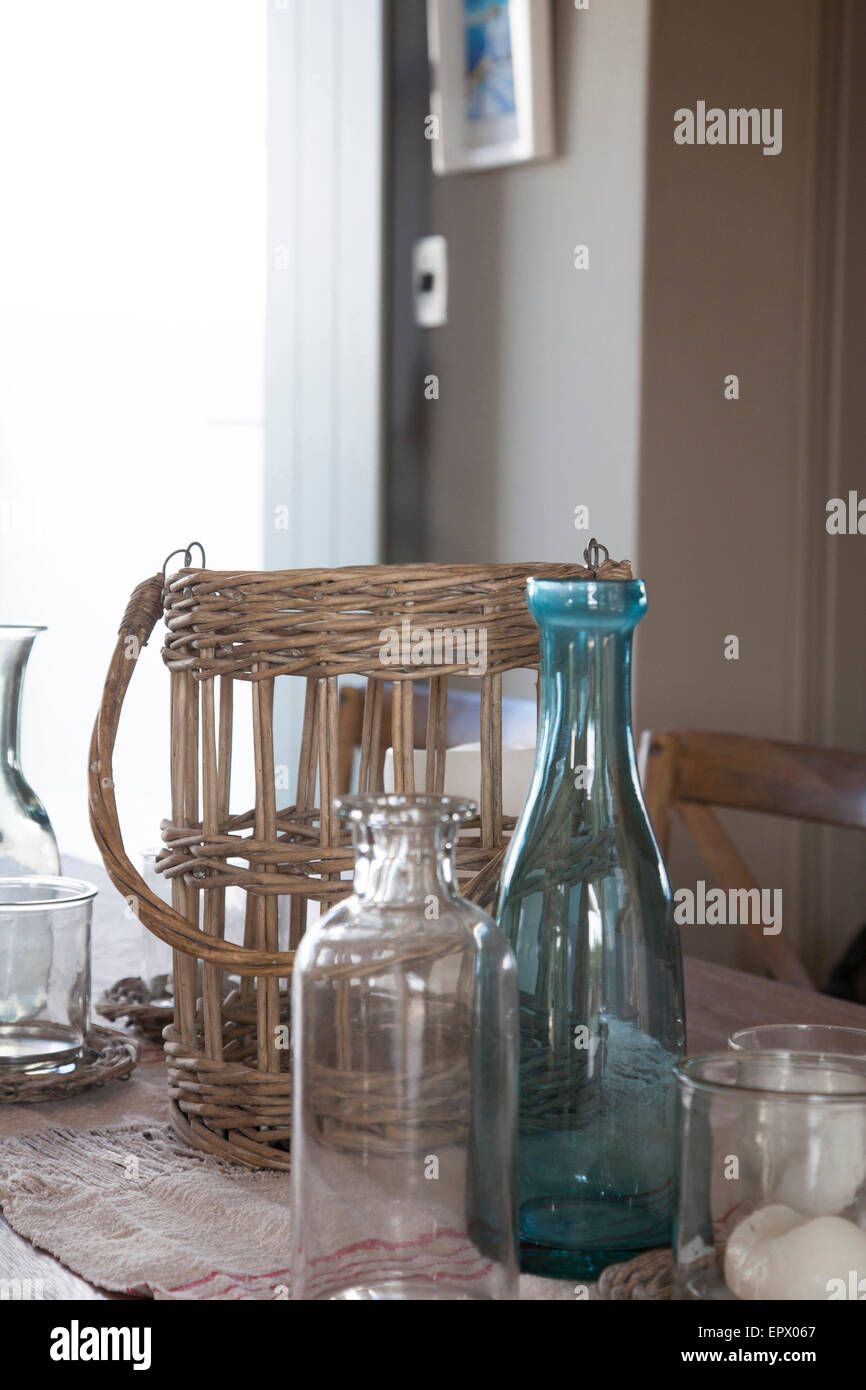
(718, 1001)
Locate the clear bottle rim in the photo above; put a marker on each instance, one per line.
(404, 809)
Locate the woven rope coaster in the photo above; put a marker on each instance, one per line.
(109, 1056)
(128, 999)
(648, 1276)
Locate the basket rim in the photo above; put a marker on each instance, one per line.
(412, 569)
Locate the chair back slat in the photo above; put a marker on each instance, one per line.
(783, 779)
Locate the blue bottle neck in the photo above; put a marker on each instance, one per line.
(586, 714)
(585, 736)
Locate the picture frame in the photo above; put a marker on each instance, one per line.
(491, 73)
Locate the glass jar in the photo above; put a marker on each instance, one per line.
(27, 843)
(44, 972)
(585, 904)
(771, 1199)
(404, 1037)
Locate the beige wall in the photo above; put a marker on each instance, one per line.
(834, 866)
(732, 493)
(539, 364)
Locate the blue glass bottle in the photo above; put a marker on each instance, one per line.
(586, 905)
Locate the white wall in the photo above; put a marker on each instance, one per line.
(131, 338)
(539, 364)
(324, 359)
(323, 441)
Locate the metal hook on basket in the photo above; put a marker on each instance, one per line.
(186, 552)
(592, 555)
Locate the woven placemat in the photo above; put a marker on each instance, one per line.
(128, 998)
(109, 1056)
(648, 1276)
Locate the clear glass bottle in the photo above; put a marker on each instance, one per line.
(404, 1037)
(27, 843)
(586, 905)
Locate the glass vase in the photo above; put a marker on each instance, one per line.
(404, 1037)
(586, 906)
(27, 843)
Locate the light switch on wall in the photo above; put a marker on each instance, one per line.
(430, 281)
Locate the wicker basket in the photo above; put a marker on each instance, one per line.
(230, 1084)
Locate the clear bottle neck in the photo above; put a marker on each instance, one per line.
(401, 865)
(15, 645)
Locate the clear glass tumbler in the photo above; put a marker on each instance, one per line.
(771, 1200)
(404, 1034)
(44, 971)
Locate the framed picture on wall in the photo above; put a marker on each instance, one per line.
(491, 101)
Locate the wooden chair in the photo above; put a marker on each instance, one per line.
(688, 771)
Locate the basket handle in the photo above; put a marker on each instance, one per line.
(142, 614)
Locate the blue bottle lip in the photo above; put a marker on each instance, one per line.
(609, 603)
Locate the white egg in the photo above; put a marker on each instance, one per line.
(826, 1168)
(779, 1253)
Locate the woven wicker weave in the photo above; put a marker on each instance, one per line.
(129, 999)
(647, 1276)
(228, 1065)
